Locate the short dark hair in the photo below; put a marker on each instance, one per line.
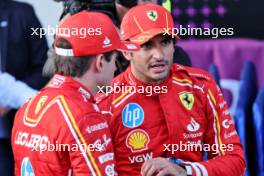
(69, 65)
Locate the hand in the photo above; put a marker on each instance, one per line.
(3, 111)
(161, 167)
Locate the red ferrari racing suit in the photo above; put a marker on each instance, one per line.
(183, 117)
(61, 132)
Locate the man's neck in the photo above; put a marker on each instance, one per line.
(88, 82)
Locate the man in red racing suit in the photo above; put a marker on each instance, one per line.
(60, 131)
(192, 111)
(178, 117)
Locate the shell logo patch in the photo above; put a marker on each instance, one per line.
(187, 99)
(137, 140)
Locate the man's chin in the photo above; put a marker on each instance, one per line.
(160, 77)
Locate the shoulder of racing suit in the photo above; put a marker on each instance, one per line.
(110, 99)
(190, 73)
(68, 96)
(193, 77)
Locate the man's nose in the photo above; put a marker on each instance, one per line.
(158, 53)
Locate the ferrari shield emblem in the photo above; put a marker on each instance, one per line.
(40, 103)
(152, 15)
(187, 99)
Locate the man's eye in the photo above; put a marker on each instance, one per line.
(146, 45)
(166, 41)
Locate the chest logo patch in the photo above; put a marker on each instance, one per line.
(193, 126)
(132, 115)
(187, 99)
(40, 103)
(26, 167)
(137, 140)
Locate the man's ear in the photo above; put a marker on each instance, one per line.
(128, 55)
(99, 62)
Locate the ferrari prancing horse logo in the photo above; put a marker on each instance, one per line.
(40, 103)
(152, 15)
(187, 99)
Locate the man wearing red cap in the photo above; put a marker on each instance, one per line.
(165, 132)
(60, 131)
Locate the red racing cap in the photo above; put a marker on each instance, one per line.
(143, 22)
(90, 33)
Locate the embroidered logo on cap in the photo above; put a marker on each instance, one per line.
(107, 42)
(152, 15)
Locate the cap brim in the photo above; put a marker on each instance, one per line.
(128, 46)
(147, 35)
